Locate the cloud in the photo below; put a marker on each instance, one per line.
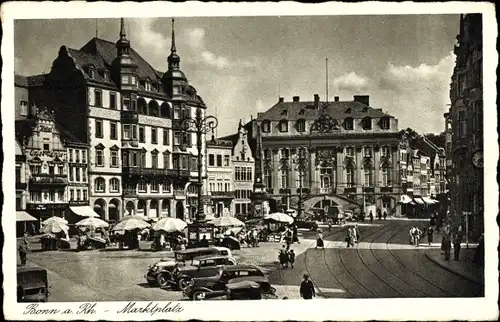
(351, 82)
(196, 40)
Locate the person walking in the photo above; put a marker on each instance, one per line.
(356, 233)
(385, 214)
(319, 242)
(371, 216)
(350, 237)
(283, 257)
(291, 257)
(430, 233)
(307, 291)
(24, 248)
(457, 241)
(416, 236)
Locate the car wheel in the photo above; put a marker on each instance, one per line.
(162, 279)
(183, 283)
(198, 296)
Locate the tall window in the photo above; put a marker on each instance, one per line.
(268, 178)
(70, 155)
(71, 195)
(166, 160)
(385, 177)
(301, 125)
(349, 177)
(141, 186)
(99, 157)
(385, 123)
(114, 158)
(326, 177)
(85, 197)
(266, 126)
(143, 159)
(219, 160)
(84, 176)
(284, 178)
(113, 132)
(71, 174)
(349, 151)
(349, 123)
(368, 177)
(98, 129)
(226, 160)
(384, 151)
(176, 112)
(24, 108)
(211, 160)
(112, 100)
(155, 187)
(154, 160)
(99, 185)
(367, 151)
(77, 156)
(166, 137)
(142, 137)
(177, 138)
(84, 156)
(114, 185)
(77, 174)
(367, 123)
(78, 195)
(154, 135)
(126, 131)
(166, 186)
(98, 98)
(283, 126)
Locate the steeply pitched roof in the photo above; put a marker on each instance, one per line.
(20, 80)
(306, 110)
(26, 81)
(66, 135)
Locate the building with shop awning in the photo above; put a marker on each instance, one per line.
(22, 216)
(429, 201)
(84, 211)
(419, 200)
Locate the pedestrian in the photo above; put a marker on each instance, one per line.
(307, 291)
(385, 214)
(319, 242)
(204, 241)
(479, 253)
(379, 213)
(295, 234)
(283, 257)
(411, 234)
(329, 225)
(24, 248)
(430, 232)
(356, 233)
(371, 216)
(446, 247)
(291, 257)
(350, 237)
(457, 241)
(416, 237)
(33, 229)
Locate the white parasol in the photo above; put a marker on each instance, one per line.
(93, 222)
(54, 219)
(55, 227)
(136, 217)
(131, 224)
(280, 217)
(170, 225)
(226, 221)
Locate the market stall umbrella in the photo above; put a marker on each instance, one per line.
(54, 219)
(234, 230)
(280, 217)
(136, 217)
(55, 227)
(226, 221)
(93, 222)
(170, 225)
(24, 216)
(131, 224)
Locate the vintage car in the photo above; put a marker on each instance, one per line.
(306, 223)
(215, 286)
(202, 266)
(160, 273)
(32, 284)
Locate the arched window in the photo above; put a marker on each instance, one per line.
(349, 171)
(99, 185)
(368, 177)
(327, 178)
(165, 110)
(153, 108)
(114, 185)
(141, 104)
(301, 125)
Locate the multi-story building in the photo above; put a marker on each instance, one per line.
(21, 185)
(142, 157)
(46, 165)
(220, 176)
(464, 126)
(352, 152)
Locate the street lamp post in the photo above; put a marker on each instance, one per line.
(200, 125)
(301, 161)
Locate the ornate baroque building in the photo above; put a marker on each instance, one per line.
(464, 126)
(142, 157)
(350, 147)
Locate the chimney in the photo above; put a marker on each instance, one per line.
(336, 98)
(296, 98)
(363, 99)
(316, 101)
(281, 100)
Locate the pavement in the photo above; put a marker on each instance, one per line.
(464, 267)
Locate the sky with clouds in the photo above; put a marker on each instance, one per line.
(240, 65)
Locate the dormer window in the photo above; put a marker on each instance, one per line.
(385, 123)
(349, 123)
(302, 112)
(266, 126)
(365, 109)
(284, 113)
(367, 123)
(348, 110)
(283, 126)
(91, 72)
(147, 86)
(125, 79)
(301, 125)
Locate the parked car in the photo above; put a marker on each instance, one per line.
(160, 273)
(306, 223)
(32, 284)
(215, 286)
(203, 266)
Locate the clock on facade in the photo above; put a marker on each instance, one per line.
(477, 159)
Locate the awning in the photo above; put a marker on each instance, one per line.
(84, 211)
(405, 199)
(428, 200)
(419, 200)
(24, 216)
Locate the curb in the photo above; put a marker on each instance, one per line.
(467, 277)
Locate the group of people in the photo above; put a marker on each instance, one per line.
(286, 256)
(352, 235)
